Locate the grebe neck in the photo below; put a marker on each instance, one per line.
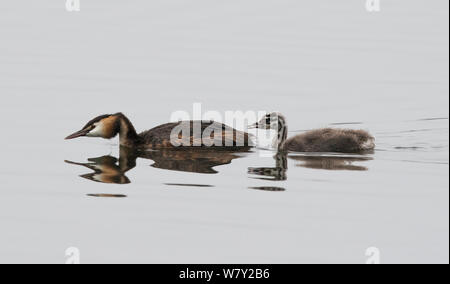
(128, 136)
(282, 133)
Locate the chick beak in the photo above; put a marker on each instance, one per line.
(253, 126)
(77, 134)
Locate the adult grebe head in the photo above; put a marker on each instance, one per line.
(105, 126)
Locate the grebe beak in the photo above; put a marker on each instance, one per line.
(253, 126)
(77, 134)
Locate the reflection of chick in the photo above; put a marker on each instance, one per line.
(331, 163)
(278, 173)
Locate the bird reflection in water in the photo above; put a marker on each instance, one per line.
(328, 162)
(108, 169)
(194, 161)
(333, 163)
(107, 195)
(268, 188)
(320, 162)
(277, 173)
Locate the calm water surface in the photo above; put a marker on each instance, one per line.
(320, 63)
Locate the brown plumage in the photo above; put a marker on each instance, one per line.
(200, 134)
(330, 140)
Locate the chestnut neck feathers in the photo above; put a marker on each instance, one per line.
(108, 126)
(127, 133)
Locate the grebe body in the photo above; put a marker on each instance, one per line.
(200, 134)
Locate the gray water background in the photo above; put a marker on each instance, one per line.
(320, 63)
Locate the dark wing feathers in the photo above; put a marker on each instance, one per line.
(208, 133)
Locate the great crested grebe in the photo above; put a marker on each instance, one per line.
(171, 135)
(320, 140)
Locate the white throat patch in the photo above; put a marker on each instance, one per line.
(97, 131)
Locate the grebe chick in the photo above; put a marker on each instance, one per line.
(195, 134)
(319, 140)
